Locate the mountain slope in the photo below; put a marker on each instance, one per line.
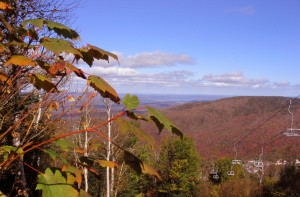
(216, 126)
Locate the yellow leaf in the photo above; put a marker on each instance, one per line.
(48, 115)
(75, 171)
(40, 81)
(4, 6)
(105, 163)
(70, 99)
(54, 106)
(58, 68)
(76, 70)
(2, 47)
(20, 60)
(146, 169)
(101, 86)
(79, 150)
(5, 79)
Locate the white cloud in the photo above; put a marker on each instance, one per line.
(282, 84)
(146, 59)
(244, 10)
(128, 76)
(156, 58)
(184, 82)
(111, 71)
(233, 79)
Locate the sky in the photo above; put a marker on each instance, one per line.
(216, 47)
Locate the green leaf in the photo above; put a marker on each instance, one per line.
(33, 34)
(18, 44)
(6, 150)
(65, 145)
(91, 52)
(82, 194)
(20, 60)
(101, 54)
(55, 155)
(58, 46)
(75, 171)
(162, 121)
(76, 70)
(135, 116)
(133, 162)
(131, 102)
(54, 184)
(62, 30)
(128, 127)
(101, 86)
(137, 165)
(36, 22)
(58, 28)
(10, 149)
(42, 82)
(44, 65)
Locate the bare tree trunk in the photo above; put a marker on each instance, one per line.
(39, 112)
(108, 105)
(20, 179)
(119, 178)
(112, 183)
(83, 143)
(85, 170)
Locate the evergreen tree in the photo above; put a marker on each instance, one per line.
(179, 165)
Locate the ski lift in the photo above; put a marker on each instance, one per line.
(213, 171)
(261, 177)
(260, 164)
(216, 177)
(235, 161)
(292, 132)
(231, 172)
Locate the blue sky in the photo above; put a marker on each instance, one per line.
(232, 47)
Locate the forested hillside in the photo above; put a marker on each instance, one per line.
(250, 122)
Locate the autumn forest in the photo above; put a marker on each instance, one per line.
(58, 138)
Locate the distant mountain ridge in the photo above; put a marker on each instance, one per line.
(217, 125)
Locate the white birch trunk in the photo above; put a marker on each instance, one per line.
(39, 112)
(112, 183)
(85, 170)
(21, 184)
(108, 153)
(83, 143)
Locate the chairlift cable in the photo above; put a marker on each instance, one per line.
(267, 120)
